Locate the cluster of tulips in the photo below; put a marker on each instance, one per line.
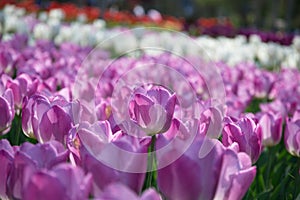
(83, 123)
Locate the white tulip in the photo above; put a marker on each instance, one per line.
(42, 31)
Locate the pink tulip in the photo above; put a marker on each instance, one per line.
(6, 160)
(221, 174)
(292, 134)
(103, 110)
(246, 133)
(46, 120)
(271, 129)
(263, 83)
(275, 107)
(22, 86)
(63, 181)
(103, 154)
(7, 109)
(6, 59)
(235, 104)
(210, 122)
(31, 158)
(152, 109)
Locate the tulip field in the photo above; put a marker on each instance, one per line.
(97, 109)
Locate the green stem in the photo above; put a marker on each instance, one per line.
(269, 165)
(151, 170)
(18, 125)
(297, 181)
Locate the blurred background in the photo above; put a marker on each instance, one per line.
(269, 15)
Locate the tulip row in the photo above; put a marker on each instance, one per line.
(232, 51)
(73, 12)
(207, 26)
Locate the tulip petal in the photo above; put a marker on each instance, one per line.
(44, 186)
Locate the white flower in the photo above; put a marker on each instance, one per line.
(254, 39)
(99, 24)
(9, 9)
(64, 35)
(14, 24)
(43, 16)
(296, 42)
(42, 31)
(20, 12)
(82, 18)
(124, 42)
(57, 14)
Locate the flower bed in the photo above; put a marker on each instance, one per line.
(140, 116)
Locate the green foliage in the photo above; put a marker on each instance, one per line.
(254, 105)
(16, 135)
(277, 175)
(278, 172)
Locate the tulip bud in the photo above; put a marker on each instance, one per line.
(7, 110)
(22, 86)
(271, 129)
(246, 133)
(152, 109)
(46, 120)
(292, 135)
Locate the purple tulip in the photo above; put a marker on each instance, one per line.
(31, 158)
(46, 120)
(6, 59)
(6, 160)
(275, 107)
(152, 109)
(246, 133)
(63, 181)
(101, 153)
(22, 86)
(292, 134)
(271, 126)
(55, 123)
(103, 110)
(7, 109)
(263, 83)
(117, 191)
(236, 104)
(210, 123)
(32, 111)
(221, 174)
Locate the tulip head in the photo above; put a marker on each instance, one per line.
(292, 135)
(246, 133)
(271, 128)
(152, 109)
